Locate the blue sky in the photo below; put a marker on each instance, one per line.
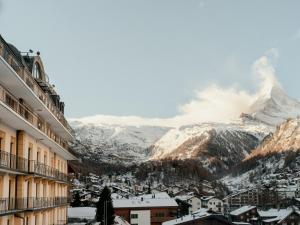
(148, 58)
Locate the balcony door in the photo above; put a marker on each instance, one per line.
(30, 162)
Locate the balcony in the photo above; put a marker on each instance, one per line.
(35, 203)
(11, 162)
(44, 170)
(60, 222)
(24, 111)
(21, 71)
(13, 205)
(14, 164)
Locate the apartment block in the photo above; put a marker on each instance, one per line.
(34, 136)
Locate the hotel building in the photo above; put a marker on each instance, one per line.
(34, 137)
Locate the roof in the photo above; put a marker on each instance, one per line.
(202, 214)
(207, 198)
(242, 210)
(158, 200)
(184, 197)
(273, 215)
(241, 223)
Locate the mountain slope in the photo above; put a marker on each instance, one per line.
(285, 138)
(217, 146)
(114, 143)
(278, 153)
(225, 145)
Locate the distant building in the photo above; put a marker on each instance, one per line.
(213, 203)
(287, 216)
(201, 217)
(153, 209)
(246, 214)
(192, 200)
(183, 207)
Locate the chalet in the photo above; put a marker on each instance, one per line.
(247, 214)
(153, 209)
(287, 216)
(213, 203)
(192, 200)
(201, 217)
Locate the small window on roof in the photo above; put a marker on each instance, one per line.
(36, 71)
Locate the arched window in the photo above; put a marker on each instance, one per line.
(36, 71)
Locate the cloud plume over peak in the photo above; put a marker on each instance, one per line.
(212, 104)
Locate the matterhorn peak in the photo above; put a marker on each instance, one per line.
(273, 106)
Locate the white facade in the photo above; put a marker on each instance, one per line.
(140, 217)
(215, 204)
(195, 202)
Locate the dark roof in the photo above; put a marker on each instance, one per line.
(15, 52)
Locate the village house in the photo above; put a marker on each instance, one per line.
(213, 203)
(192, 200)
(246, 214)
(152, 209)
(289, 216)
(201, 217)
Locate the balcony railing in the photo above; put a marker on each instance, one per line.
(15, 163)
(29, 116)
(44, 202)
(11, 205)
(46, 171)
(12, 162)
(60, 222)
(23, 72)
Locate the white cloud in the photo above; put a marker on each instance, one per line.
(212, 104)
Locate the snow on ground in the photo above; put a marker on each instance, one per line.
(82, 212)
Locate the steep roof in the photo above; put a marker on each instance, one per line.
(242, 210)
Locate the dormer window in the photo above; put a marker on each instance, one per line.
(36, 71)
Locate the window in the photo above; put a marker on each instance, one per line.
(36, 71)
(160, 214)
(134, 216)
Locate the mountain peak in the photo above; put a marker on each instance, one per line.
(273, 106)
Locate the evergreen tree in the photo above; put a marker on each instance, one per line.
(76, 200)
(105, 210)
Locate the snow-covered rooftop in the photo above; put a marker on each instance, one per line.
(273, 215)
(242, 210)
(144, 203)
(161, 199)
(197, 215)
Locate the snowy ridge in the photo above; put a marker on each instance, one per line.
(217, 145)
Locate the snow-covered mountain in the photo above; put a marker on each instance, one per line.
(285, 138)
(274, 106)
(216, 145)
(278, 153)
(114, 143)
